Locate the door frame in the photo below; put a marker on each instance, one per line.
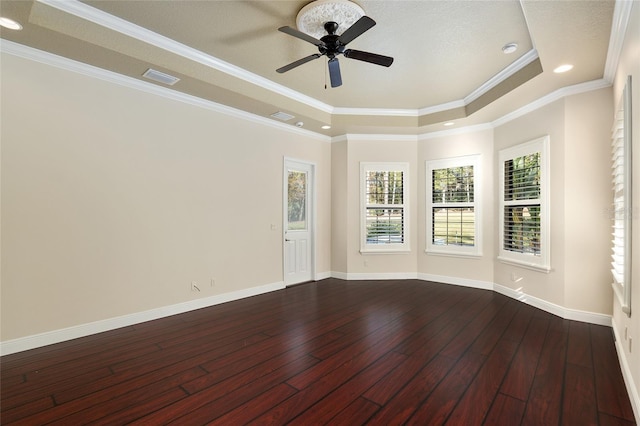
(311, 210)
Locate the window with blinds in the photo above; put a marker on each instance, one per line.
(453, 216)
(384, 206)
(621, 179)
(524, 218)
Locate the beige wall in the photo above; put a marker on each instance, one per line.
(548, 120)
(587, 198)
(113, 207)
(380, 151)
(478, 268)
(628, 341)
(114, 200)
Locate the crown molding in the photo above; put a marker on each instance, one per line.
(552, 97)
(621, 16)
(98, 17)
(510, 70)
(376, 112)
(137, 32)
(458, 131)
(50, 59)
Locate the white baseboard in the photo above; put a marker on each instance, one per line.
(632, 390)
(552, 308)
(562, 312)
(374, 276)
(465, 282)
(322, 275)
(56, 336)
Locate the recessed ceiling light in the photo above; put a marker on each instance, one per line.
(563, 68)
(449, 123)
(509, 48)
(10, 24)
(326, 127)
(299, 124)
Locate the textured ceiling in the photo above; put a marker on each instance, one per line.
(448, 58)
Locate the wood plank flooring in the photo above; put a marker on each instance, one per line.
(332, 352)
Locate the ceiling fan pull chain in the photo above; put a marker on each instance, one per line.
(325, 77)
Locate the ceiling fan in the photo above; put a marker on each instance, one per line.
(332, 45)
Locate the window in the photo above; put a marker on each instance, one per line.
(622, 209)
(453, 215)
(524, 205)
(385, 207)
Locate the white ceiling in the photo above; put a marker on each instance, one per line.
(448, 59)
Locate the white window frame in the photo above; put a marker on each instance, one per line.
(403, 247)
(542, 261)
(446, 163)
(622, 214)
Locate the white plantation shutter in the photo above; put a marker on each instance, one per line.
(622, 203)
(617, 171)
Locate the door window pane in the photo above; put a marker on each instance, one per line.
(297, 201)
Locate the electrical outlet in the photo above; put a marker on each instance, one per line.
(213, 282)
(194, 286)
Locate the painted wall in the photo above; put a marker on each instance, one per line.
(627, 329)
(371, 150)
(115, 200)
(477, 269)
(548, 120)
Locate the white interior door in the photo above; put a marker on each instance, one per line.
(298, 222)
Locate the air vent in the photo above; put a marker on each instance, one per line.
(282, 116)
(160, 77)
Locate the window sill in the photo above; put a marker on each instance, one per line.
(527, 265)
(450, 254)
(385, 251)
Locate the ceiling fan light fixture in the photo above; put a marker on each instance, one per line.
(312, 17)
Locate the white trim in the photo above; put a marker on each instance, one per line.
(552, 97)
(137, 32)
(621, 16)
(398, 248)
(510, 70)
(464, 282)
(552, 308)
(632, 389)
(25, 52)
(82, 330)
(288, 163)
(50, 59)
(380, 137)
(376, 112)
(457, 131)
(322, 275)
(475, 161)
(541, 261)
(359, 276)
(442, 107)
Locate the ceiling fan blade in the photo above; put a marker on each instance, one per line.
(301, 35)
(360, 26)
(334, 72)
(297, 63)
(373, 58)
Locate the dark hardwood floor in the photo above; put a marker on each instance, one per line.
(331, 352)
